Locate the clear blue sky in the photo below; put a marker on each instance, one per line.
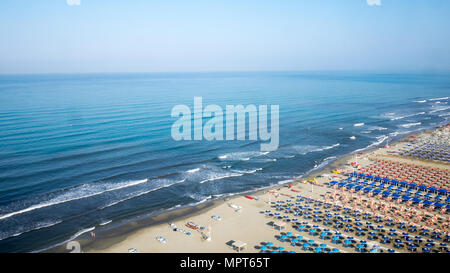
(45, 36)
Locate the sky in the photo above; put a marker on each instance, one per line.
(87, 36)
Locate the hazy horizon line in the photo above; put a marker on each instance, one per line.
(375, 71)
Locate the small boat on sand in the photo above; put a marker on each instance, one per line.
(192, 225)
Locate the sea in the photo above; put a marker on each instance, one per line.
(79, 152)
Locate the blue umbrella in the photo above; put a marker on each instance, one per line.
(335, 250)
(263, 247)
(269, 244)
(280, 248)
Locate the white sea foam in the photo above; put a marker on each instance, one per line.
(305, 149)
(358, 124)
(408, 125)
(105, 223)
(420, 101)
(81, 232)
(407, 116)
(439, 109)
(193, 170)
(241, 156)
(81, 192)
(140, 193)
(24, 229)
(352, 137)
(199, 197)
(379, 140)
(281, 182)
(322, 164)
(219, 177)
(444, 98)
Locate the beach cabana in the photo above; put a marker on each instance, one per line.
(239, 245)
(422, 187)
(279, 225)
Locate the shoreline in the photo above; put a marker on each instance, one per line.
(108, 237)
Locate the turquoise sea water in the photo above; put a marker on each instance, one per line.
(78, 151)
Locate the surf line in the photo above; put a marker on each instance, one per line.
(213, 128)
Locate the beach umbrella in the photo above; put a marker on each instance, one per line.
(280, 248)
(269, 244)
(391, 251)
(426, 250)
(289, 233)
(263, 247)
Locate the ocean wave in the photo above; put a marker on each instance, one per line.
(439, 109)
(105, 223)
(77, 193)
(253, 171)
(193, 170)
(352, 137)
(140, 193)
(379, 140)
(305, 149)
(407, 116)
(420, 101)
(199, 198)
(241, 156)
(408, 125)
(358, 124)
(377, 128)
(81, 232)
(443, 98)
(22, 229)
(219, 177)
(321, 165)
(281, 182)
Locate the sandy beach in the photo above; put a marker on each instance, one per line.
(248, 221)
